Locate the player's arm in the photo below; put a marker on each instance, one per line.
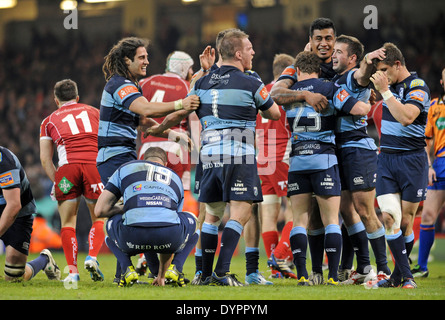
(165, 260)
(105, 205)
(403, 113)
(282, 95)
(145, 108)
(360, 108)
(431, 172)
(169, 121)
(46, 158)
(273, 113)
(11, 210)
(367, 66)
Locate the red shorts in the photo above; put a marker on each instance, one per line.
(76, 179)
(276, 181)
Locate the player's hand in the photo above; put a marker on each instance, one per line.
(153, 130)
(53, 193)
(182, 138)
(318, 101)
(379, 54)
(372, 97)
(207, 58)
(431, 176)
(380, 81)
(159, 282)
(191, 103)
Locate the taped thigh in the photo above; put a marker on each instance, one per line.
(271, 199)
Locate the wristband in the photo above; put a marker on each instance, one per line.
(178, 104)
(204, 70)
(387, 95)
(366, 59)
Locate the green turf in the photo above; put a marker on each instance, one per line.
(40, 288)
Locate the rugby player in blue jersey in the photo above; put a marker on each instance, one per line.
(230, 101)
(17, 207)
(123, 107)
(357, 156)
(151, 219)
(402, 172)
(322, 34)
(313, 163)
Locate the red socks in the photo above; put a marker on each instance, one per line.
(283, 250)
(270, 240)
(70, 248)
(96, 238)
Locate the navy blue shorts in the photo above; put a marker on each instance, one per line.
(107, 168)
(405, 173)
(229, 180)
(135, 239)
(358, 168)
(322, 183)
(18, 235)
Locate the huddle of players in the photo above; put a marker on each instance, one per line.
(405, 107)
(328, 137)
(333, 159)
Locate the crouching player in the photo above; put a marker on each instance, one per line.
(17, 206)
(151, 219)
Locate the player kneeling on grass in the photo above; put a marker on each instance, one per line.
(17, 206)
(151, 219)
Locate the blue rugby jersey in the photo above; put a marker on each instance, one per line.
(230, 100)
(12, 175)
(117, 125)
(313, 136)
(395, 137)
(153, 194)
(351, 131)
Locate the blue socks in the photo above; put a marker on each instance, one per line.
(426, 240)
(298, 243)
(229, 240)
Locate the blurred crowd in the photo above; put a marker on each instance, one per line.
(27, 75)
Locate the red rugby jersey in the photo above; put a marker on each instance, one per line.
(272, 137)
(73, 128)
(165, 88)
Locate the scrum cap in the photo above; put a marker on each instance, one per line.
(179, 62)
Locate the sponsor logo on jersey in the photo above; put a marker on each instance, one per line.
(65, 185)
(6, 179)
(264, 93)
(418, 95)
(417, 83)
(342, 95)
(125, 91)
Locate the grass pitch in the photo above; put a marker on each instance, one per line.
(40, 288)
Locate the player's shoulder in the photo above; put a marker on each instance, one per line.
(6, 156)
(116, 82)
(414, 82)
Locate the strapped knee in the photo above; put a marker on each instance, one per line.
(391, 203)
(216, 209)
(14, 272)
